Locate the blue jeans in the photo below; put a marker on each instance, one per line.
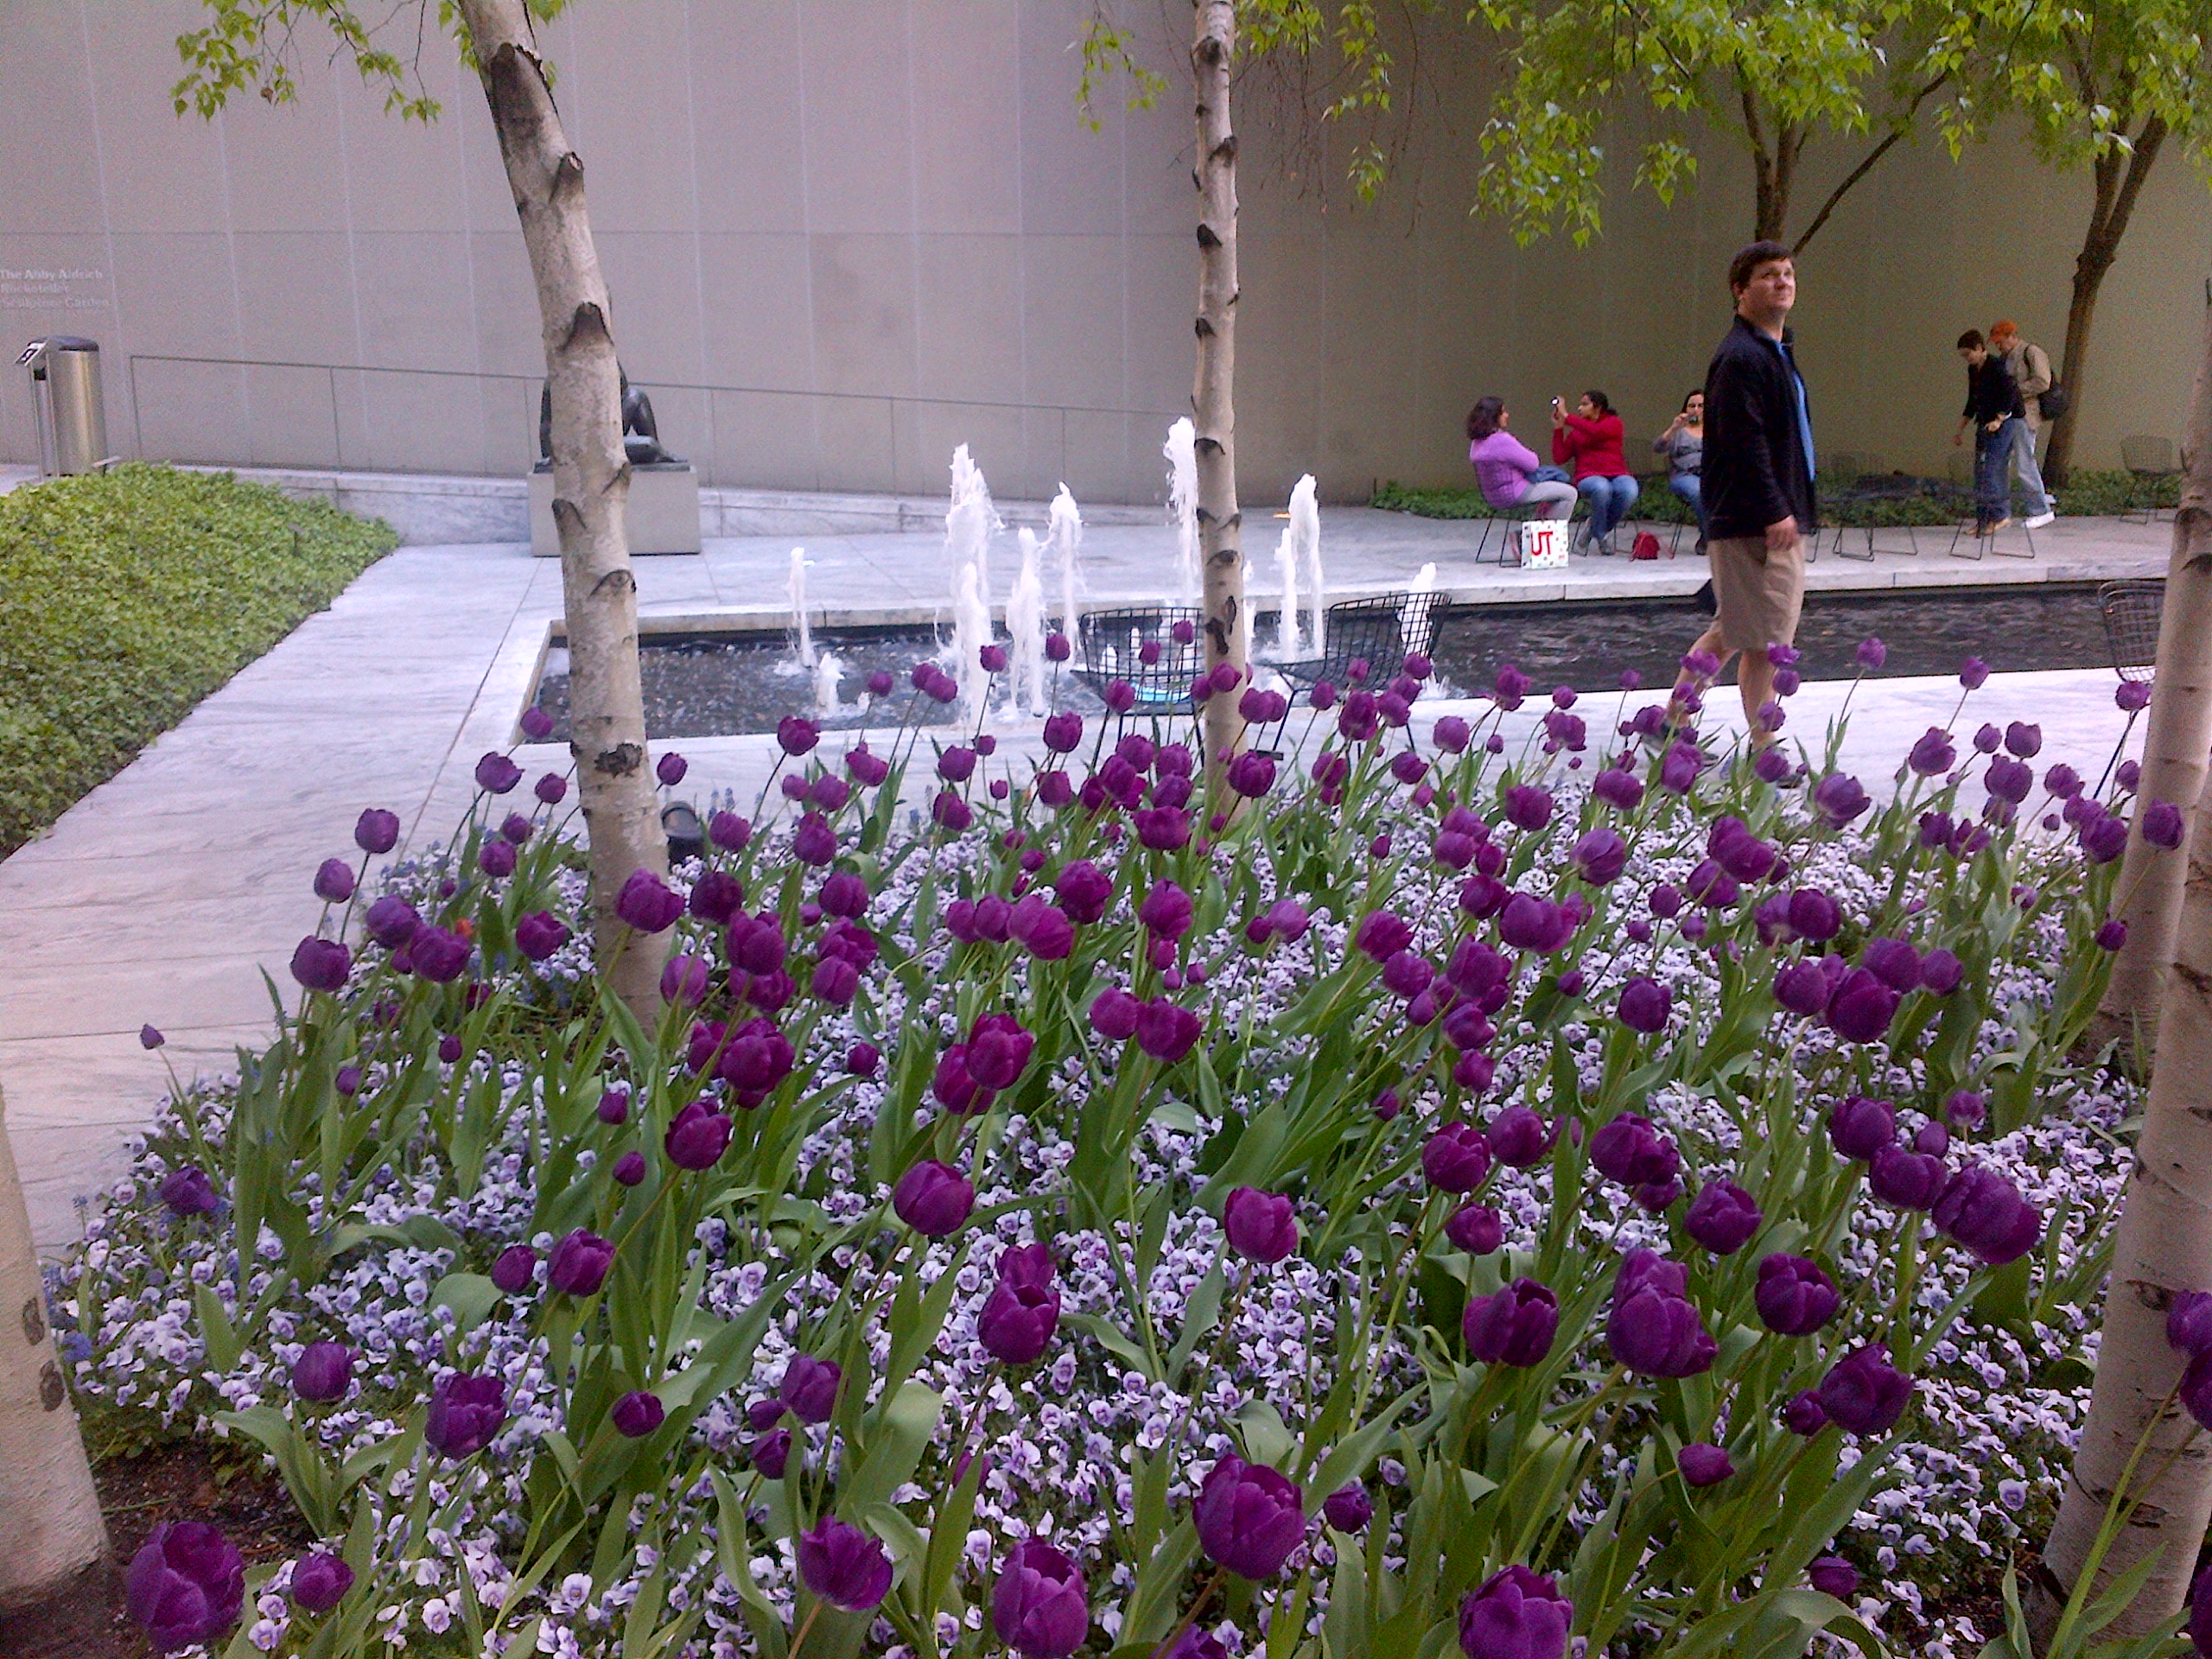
(2019, 440)
(1992, 460)
(1610, 498)
(1691, 488)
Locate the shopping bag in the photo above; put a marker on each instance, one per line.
(1647, 546)
(1543, 545)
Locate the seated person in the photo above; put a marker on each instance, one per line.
(1508, 469)
(1589, 440)
(1683, 444)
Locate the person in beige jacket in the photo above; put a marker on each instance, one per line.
(2030, 367)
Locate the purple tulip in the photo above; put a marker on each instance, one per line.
(2132, 696)
(810, 1388)
(1862, 1007)
(844, 1566)
(1018, 1319)
(1871, 653)
(320, 1581)
(933, 1199)
(2188, 1323)
(185, 1585)
(579, 1263)
(1894, 962)
(1599, 856)
(1114, 1013)
(1382, 935)
(466, 1412)
(1723, 1217)
(1704, 1465)
(1630, 1150)
(1165, 1030)
(1519, 1137)
(1167, 910)
(514, 1268)
(697, 1136)
(1262, 1227)
(647, 903)
(321, 964)
(1863, 1393)
(1859, 1127)
(1250, 1518)
(496, 774)
(1834, 1576)
(1514, 1326)
(1040, 1607)
(377, 830)
(1620, 790)
(1654, 1329)
(637, 1414)
(1934, 754)
(391, 921)
(540, 934)
(1795, 1298)
(1348, 1508)
(629, 1169)
(2162, 824)
(1529, 923)
(1528, 806)
(1475, 1228)
(323, 1372)
(1456, 1157)
(187, 1191)
(771, 1452)
(1645, 1005)
(333, 881)
(1910, 1180)
(1940, 972)
(1803, 1414)
(1984, 1212)
(1515, 1614)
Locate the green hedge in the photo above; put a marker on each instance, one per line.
(126, 598)
(2090, 494)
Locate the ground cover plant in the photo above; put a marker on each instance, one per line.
(126, 597)
(1547, 1182)
(1899, 501)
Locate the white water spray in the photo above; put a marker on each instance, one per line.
(1181, 450)
(828, 674)
(1286, 630)
(798, 608)
(1302, 549)
(969, 524)
(1025, 622)
(1065, 536)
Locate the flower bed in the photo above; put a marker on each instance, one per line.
(1460, 1193)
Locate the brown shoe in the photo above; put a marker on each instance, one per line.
(2002, 523)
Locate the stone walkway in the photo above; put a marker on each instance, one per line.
(165, 894)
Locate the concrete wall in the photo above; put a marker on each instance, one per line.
(843, 235)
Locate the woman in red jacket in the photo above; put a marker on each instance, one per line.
(1589, 441)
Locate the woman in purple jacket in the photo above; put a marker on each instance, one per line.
(1511, 476)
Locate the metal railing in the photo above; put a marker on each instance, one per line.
(278, 412)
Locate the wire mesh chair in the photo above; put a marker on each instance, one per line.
(1379, 631)
(2151, 462)
(2131, 612)
(1115, 645)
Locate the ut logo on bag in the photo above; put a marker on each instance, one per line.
(1543, 545)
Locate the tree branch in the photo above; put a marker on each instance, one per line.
(1903, 125)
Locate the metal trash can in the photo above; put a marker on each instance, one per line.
(66, 390)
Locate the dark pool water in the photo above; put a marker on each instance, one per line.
(704, 685)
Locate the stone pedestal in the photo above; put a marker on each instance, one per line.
(663, 515)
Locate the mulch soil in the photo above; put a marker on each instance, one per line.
(181, 1482)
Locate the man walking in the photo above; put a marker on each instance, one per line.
(2030, 367)
(1994, 410)
(1758, 475)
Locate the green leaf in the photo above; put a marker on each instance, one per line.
(897, 1435)
(470, 1295)
(216, 1330)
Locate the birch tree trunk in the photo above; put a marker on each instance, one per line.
(50, 1521)
(2176, 746)
(591, 482)
(2162, 1247)
(1213, 406)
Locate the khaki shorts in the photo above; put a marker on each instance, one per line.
(1759, 593)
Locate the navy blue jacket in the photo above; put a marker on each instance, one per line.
(1757, 470)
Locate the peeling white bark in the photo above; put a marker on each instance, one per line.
(50, 1523)
(1213, 397)
(2176, 744)
(591, 482)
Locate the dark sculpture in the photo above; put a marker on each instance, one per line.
(640, 432)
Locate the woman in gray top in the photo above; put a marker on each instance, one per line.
(1683, 444)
